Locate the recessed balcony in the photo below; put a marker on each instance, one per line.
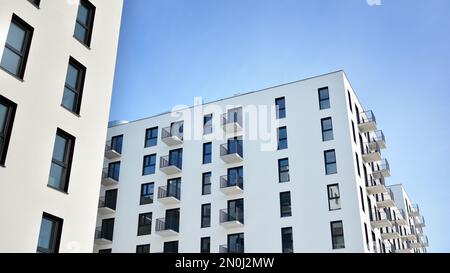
(416, 244)
(112, 152)
(231, 185)
(101, 237)
(109, 178)
(168, 167)
(415, 210)
(166, 228)
(378, 139)
(104, 208)
(380, 219)
(419, 221)
(382, 171)
(171, 137)
(231, 153)
(168, 197)
(231, 123)
(367, 122)
(371, 152)
(424, 241)
(387, 200)
(391, 234)
(401, 218)
(228, 220)
(376, 187)
(408, 237)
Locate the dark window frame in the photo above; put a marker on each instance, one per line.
(68, 158)
(35, 3)
(358, 166)
(90, 25)
(284, 214)
(56, 235)
(285, 245)
(79, 88)
(205, 219)
(362, 199)
(142, 249)
(327, 130)
(167, 248)
(142, 224)
(354, 131)
(281, 140)
(332, 198)
(335, 236)
(208, 124)
(7, 130)
(203, 248)
(280, 104)
(205, 154)
(149, 137)
(205, 185)
(281, 172)
(144, 166)
(350, 100)
(24, 53)
(326, 99)
(331, 162)
(144, 195)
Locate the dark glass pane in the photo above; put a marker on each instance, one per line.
(56, 176)
(11, 61)
(72, 76)
(16, 37)
(69, 99)
(330, 157)
(331, 168)
(3, 115)
(80, 32)
(59, 150)
(83, 14)
(46, 234)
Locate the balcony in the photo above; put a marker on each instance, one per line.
(168, 167)
(383, 170)
(406, 250)
(409, 237)
(380, 219)
(168, 198)
(371, 152)
(401, 220)
(170, 137)
(367, 122)
(424, 241)
(109, 178)
(376, 187)
(379, 140)
(231, 153)
(415, 211)
(101, 237)
(112, 152)
(419, 221)
(416, 244)
(387, 200)
(231, 221)
(223, 249)
(231, 187)
(231, 125)
(390, 234)
(104, 208)
(165, 229)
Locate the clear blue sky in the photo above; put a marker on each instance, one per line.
(396, 55)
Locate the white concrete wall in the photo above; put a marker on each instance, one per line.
(262, 230)
(24, 194)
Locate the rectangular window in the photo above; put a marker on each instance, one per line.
(85, 22)
(206, 216)
(61, 161)
(116, 143)
(105, 251)
(207, 153)
(327, 129)
(114, 170)
(367, 235)
(107, 229)
(7, 114)
(337, 235)
(171, 247)
(207, 124)
(330, 162)
(111, 199)
(145, 224)
(281, 108)
(151, 137)
(35, 2)
(362, 199)
(358, 117)
(357, 164)
(282, 138)
(285, 204)
(283, 170)
(176, 158)
(334, 197)
(49, 234)
(287, 242)
(324, 98)
(205, 245)
(354, 132)
(73, 88)
(235, 177)
(206, 183)
(147, 191)
(143, 249)
(350, 101)
(17, 47)
(236, 243)
(149, 165)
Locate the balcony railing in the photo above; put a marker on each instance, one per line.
(169, 167)
(387, 199)
(231, 186)
(401, 218)
(419, 221)
(105, 207)
(384, 170)
(231, 124)
(367, 122)
(166, 228)
(231, 220)
(376, 186)
(371, 152)
(110, 178)
(171, 137)
(231, 153)
(168, 197)
(379, 139)
(111, 151)
(415, 210)
(390, 233)
(102, 237)
(380, 219)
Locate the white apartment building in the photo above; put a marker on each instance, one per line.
(292, 168)
(56, 76)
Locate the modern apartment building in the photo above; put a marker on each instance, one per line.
(56, 76)
(292, 168)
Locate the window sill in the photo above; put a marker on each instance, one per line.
(82, 43)
(11, 74)
(58, 190)
(70, 111)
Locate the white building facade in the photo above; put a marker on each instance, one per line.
(292, 168)
(56, 76)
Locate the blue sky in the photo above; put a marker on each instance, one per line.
(396, 55)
